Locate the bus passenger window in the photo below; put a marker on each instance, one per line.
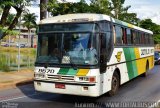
(137, 38)
(147, 39)
(151, 39)
(118, 35)
(142, 38)
(105, 26)
(114, 35)
(128, 36)
(133, 37)
(124, 37)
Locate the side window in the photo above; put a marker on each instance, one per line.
(124, 37)
(142, 38)
(106, 41)
(133, 36)
(147, 39)
(118, 31)
(114, 34)
(128, 36)
(151, 39)
(137, 38)
(105, 26)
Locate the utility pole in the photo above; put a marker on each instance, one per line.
(43, 10)
(19, 44)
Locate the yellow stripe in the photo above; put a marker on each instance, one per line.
(141, 65)
(82, 72)
(130, 25)
(137, 54)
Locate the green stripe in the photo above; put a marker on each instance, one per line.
(63, 71)
(72, 72)
(131, 66)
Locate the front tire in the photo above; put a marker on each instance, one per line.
(115, 84)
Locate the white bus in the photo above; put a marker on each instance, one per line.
(90, 54)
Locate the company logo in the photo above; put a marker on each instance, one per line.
(118, 56)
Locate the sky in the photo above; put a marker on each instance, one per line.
(143, 8)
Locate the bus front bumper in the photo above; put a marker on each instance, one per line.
(81, 89)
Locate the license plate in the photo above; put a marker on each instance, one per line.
(60, 86)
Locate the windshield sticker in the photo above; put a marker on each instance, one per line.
(66, 59)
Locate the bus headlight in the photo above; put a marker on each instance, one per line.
(88, 79)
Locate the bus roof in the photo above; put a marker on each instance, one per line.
(81, 17)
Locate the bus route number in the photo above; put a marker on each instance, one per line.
(46, 70)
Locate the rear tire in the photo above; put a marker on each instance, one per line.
(115, 84)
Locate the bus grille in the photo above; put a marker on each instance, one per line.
(60, 77)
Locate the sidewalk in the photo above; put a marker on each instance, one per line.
(12, 79)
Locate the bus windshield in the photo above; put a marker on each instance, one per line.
(67, 48)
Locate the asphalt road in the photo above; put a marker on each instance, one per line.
(142, 91)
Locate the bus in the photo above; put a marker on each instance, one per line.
(90, 54)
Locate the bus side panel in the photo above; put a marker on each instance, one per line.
(151, 62)
(131, 61)
(117, 60)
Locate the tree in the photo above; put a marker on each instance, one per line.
(96, 6)
(57, 8)
(6, 6)
(113, 8)
(19, 6)
(30, 22)
(120, 12)
(148, 24)
(9, 19)
(100, 6)
(43, 10)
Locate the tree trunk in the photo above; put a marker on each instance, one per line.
(43, 11)
(14, 22)
(4, 15)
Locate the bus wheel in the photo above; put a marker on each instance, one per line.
(114, 85)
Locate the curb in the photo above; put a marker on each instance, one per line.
(14, 84)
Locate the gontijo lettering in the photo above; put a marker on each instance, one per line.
(146, 51)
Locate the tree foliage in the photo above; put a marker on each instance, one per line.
(100, 6)
(120, 12)
(19, 6)
(148, 24)
(29, 20)
(113, 8)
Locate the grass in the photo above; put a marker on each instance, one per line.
(14, 49)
